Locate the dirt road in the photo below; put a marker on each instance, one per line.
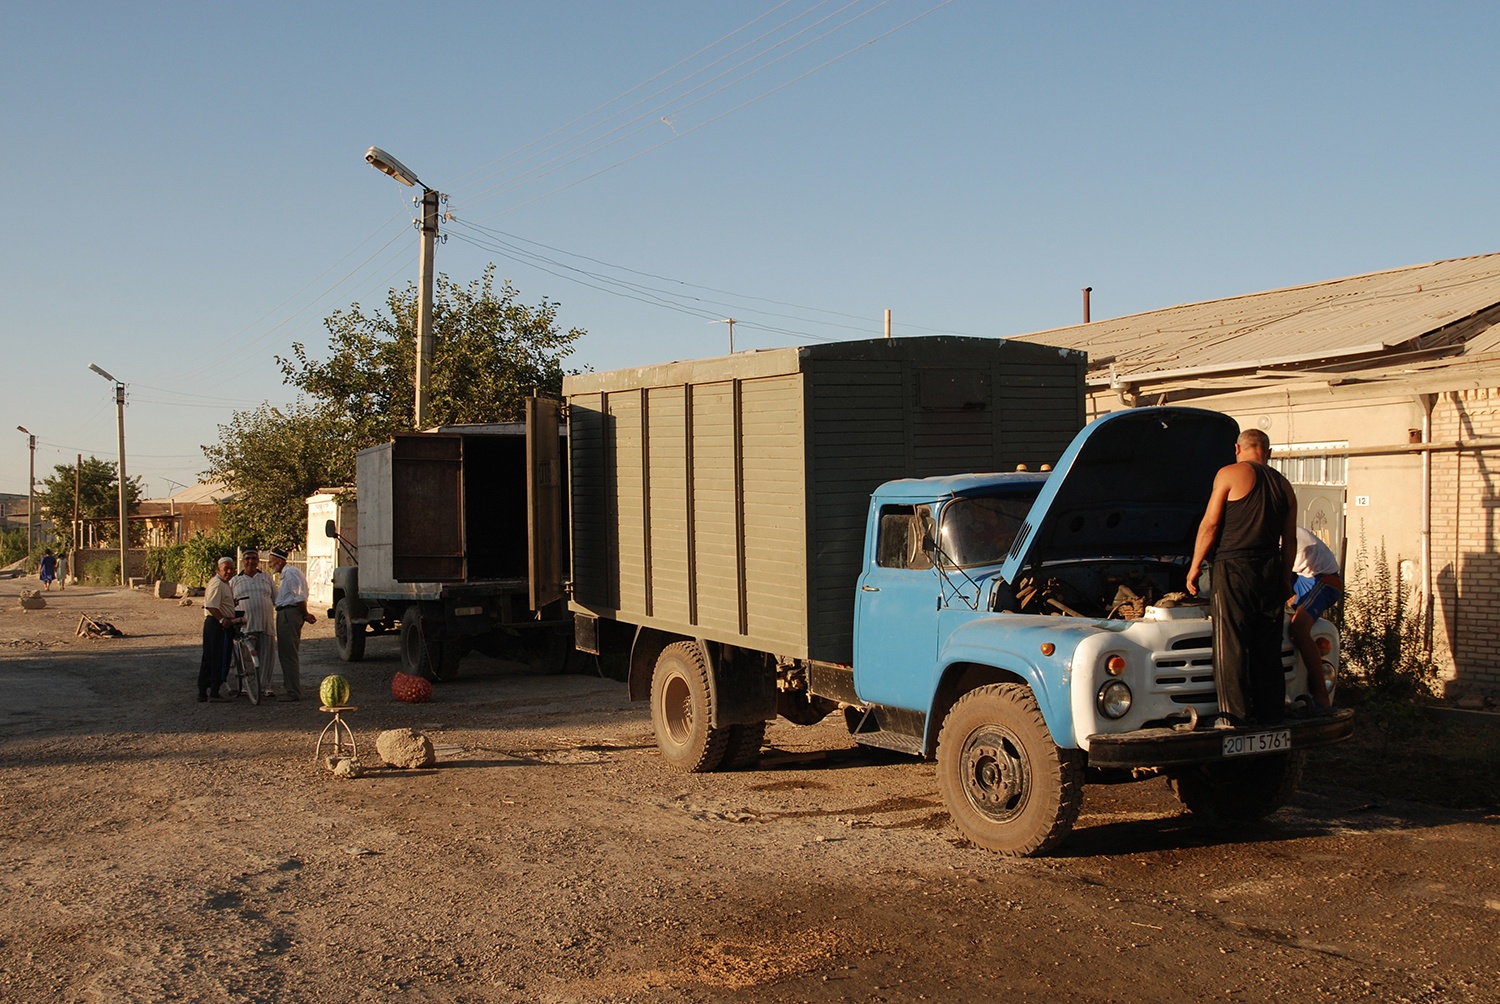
(154, 848)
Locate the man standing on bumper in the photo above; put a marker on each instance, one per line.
(1251, 525)
(291, 614)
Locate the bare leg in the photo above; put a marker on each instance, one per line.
(1302, 640)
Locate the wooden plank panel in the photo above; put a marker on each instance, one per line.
(625, 429)
(714, 545)
(669, 494)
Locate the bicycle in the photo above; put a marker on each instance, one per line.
(245, 664)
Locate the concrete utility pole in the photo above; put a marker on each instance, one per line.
(120, 429)
(428, 225)
(30, 490)
(731, 322)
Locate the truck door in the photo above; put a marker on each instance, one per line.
(544, 492)
(427, 508)
(896, 613)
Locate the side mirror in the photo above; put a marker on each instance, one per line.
(331, 529)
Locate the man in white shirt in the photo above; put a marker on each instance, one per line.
(1318, 586)
(291, 614)
(255, 606)
(218, 618)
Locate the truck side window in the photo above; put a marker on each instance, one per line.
(899, 544)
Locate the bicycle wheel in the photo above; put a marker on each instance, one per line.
(250, 669)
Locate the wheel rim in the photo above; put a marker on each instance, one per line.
(995, 776)
(677, 710)
(341, 630)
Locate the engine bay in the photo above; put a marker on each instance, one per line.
(1114, 590)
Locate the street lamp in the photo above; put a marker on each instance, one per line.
(30, 488)
(120, 428)
(386, 164)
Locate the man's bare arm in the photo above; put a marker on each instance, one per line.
(1208, 528)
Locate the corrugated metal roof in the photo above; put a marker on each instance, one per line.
(1326, 320)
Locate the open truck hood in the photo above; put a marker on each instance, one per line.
(1132, 484)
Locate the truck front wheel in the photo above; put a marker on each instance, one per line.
(680, 705)
(1239, 791)
(348, 636)
(1008, 786)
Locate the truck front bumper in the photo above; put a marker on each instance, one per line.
(1168, 747)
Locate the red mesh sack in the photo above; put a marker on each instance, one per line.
(411, 689)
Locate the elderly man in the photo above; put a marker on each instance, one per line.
(291, 614)
(218, 618)
(1250, 524)
(255, 605)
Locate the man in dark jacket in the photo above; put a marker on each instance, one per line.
(1250, 524)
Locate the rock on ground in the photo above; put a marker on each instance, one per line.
(405, 748)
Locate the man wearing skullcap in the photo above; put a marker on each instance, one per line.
(255, 604)
(291, 614)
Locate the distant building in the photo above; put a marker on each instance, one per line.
(1381, 396)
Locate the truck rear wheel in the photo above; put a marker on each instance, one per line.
(680, 707)
(743, 748)
(424, 650)
(348, 636)
(1239, 791)
(1007, 785)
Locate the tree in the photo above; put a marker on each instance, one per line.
(489, 354)
(98, 498)
(271, 461)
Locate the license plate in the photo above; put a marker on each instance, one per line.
(1258, 742)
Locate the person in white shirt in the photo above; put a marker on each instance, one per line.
(291, 614)
(255, 609)
(218, 619)
(1318, 586)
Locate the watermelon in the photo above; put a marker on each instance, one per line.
(334, 692)
(411, 689)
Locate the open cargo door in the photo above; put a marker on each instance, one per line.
(544, 488)
(427, 508)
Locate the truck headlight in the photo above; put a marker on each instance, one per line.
(1115, 699)
(1330, 676)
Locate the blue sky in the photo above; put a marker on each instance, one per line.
(187, 194)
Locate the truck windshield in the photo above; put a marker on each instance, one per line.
(979, 530)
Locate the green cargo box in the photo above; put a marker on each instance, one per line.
(726, 498)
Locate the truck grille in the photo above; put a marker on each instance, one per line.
(1185, 671)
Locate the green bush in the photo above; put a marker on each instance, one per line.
(166, 563)
(201, 554)
(1384, 639)
(102, 571)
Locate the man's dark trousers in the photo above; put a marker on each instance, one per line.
(1249, 604)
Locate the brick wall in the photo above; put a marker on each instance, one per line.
(1465, 562)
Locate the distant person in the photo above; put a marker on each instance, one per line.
(218, 622)
(1318, 586)
(255, 610)
(291, 615)
(1250, 525)
(49, 569)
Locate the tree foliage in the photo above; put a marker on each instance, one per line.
(98, 498)
(489, 353)
(271, 460)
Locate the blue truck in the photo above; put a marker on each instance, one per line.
(1027, 629)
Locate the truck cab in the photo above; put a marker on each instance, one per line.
(1029, 629)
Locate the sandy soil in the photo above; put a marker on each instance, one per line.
(154, 848)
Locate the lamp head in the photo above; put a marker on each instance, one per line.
(105, 375)
(22, 428)
(386, 164)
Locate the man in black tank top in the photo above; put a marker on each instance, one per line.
(1251, 527)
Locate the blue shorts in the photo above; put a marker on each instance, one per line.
(1315, 597)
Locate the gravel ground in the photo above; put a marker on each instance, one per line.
(154, 848)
